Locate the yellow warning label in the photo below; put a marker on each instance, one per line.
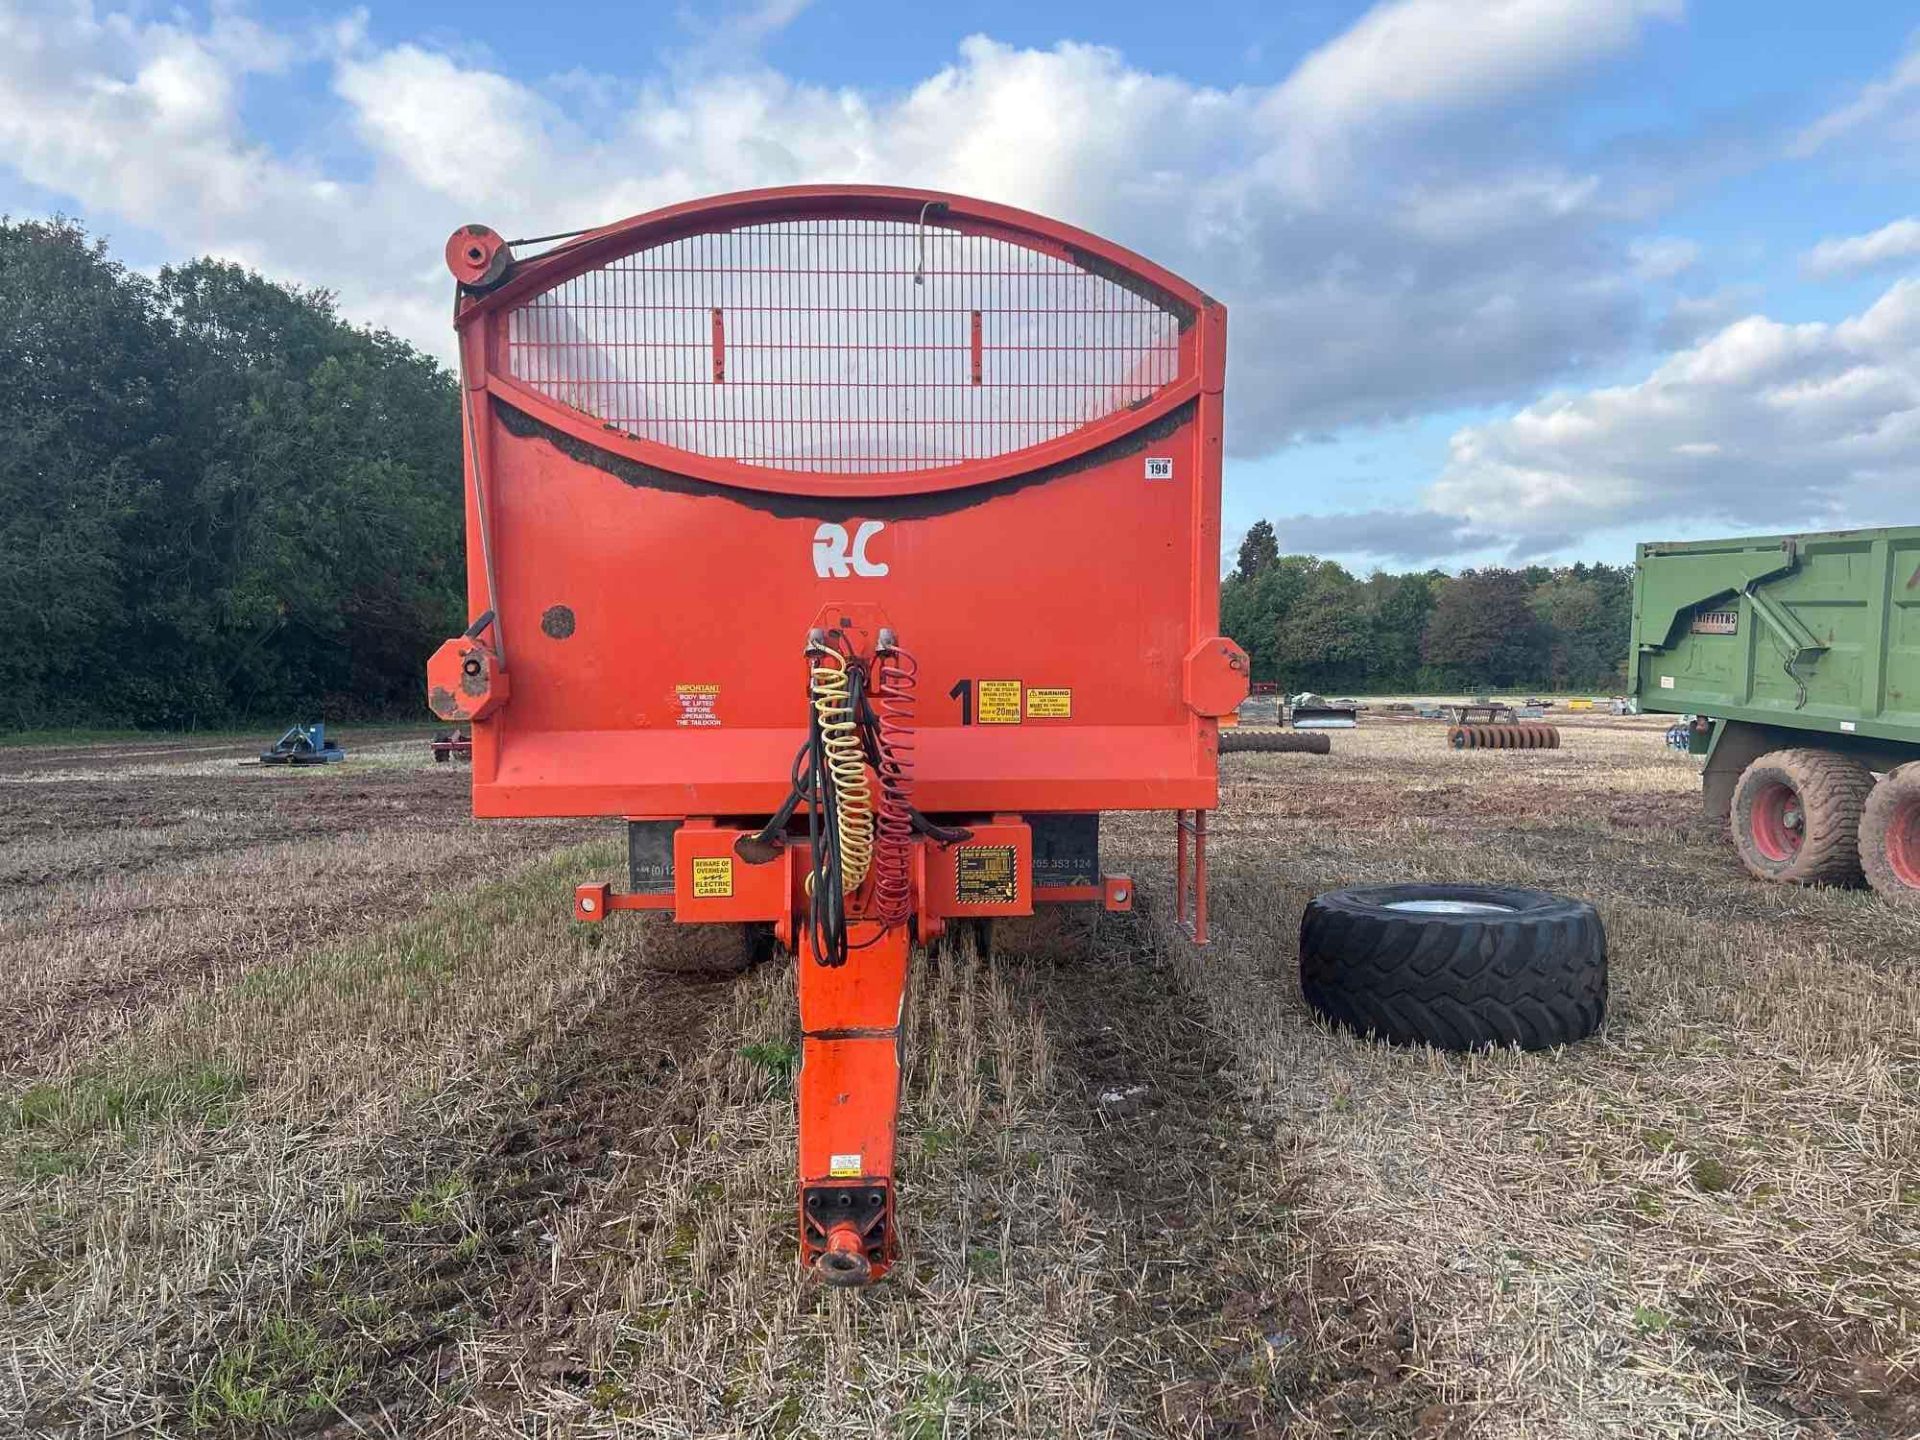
(844, 1167)
(1049, 704)
(985, 875)
(999, 702)
(712, 877)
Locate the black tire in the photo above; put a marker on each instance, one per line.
(1052, 933)
(1890, 837)
(724, 949)
(1531, 972)
(1273, 742)
(1796, 816)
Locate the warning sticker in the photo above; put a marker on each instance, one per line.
(999, 702)
(712, 877)
(843, 1167)
(697, 704)
(1049, 703)
(985, 875)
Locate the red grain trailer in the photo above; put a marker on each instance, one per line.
(857, 546)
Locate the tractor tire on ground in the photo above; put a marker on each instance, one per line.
(1459, 967)
(706, 949)
(1272, 742)
(1796, 816)
(1890, 836)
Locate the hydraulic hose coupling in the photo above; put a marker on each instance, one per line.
(844, 1261)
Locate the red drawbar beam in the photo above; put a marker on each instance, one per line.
(849, 1086)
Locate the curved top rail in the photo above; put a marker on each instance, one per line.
(836, 339)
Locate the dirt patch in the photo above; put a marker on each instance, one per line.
(1236, 1322)
(1675, 813)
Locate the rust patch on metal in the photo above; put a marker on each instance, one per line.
(557, 623)
(444, 703)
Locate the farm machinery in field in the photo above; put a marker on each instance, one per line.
(303, 745)
(451, 745)
(1797, 658)
(857, 547)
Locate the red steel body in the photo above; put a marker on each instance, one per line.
(699, 435)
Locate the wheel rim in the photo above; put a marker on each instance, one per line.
(1779, 824)
(1449, 907)
(1903, 844)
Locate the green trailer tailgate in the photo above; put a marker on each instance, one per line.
(1815, 632)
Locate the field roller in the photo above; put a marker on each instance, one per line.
(1504, 737)
(857, 547)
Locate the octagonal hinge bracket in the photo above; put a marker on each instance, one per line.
(465, 681)
(1216, 676)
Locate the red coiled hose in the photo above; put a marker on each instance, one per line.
(893, 702)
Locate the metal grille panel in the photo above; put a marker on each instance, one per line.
(844, 346)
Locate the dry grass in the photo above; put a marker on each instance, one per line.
(407, 1153)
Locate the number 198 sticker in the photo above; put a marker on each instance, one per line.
(1159, 467)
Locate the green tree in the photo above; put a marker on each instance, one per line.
(221, 501)
(1586, 612)
(1397, 607)
(89, 405)
(1258, 551)
(1483, 631)
(1325, 639)
(1253, 611)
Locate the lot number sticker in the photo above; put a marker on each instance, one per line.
(1159, 467)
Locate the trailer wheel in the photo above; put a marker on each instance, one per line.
(1257, 742)
(1796, 816)
(1890, 836)
(706, 949)
(1459, 967)
(1052, 933)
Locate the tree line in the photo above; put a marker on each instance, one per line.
(219, 502)
(1309, 624)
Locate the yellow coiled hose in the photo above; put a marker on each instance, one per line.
(846, 765)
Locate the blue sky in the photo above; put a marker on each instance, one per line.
(1509, 279)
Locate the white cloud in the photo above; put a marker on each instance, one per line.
(1374, 266)
(1890, 103)
(1409, 58)
(1662, 257)
(1762, 424)
(1889, 245)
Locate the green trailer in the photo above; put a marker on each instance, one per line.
(1798, 657)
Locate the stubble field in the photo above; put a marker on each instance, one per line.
(318, 1116)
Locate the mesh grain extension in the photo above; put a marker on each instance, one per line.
(848, 346)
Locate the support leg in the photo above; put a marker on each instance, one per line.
(1190, 875)
(850, 1018)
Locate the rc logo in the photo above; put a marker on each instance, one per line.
(835, 556)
